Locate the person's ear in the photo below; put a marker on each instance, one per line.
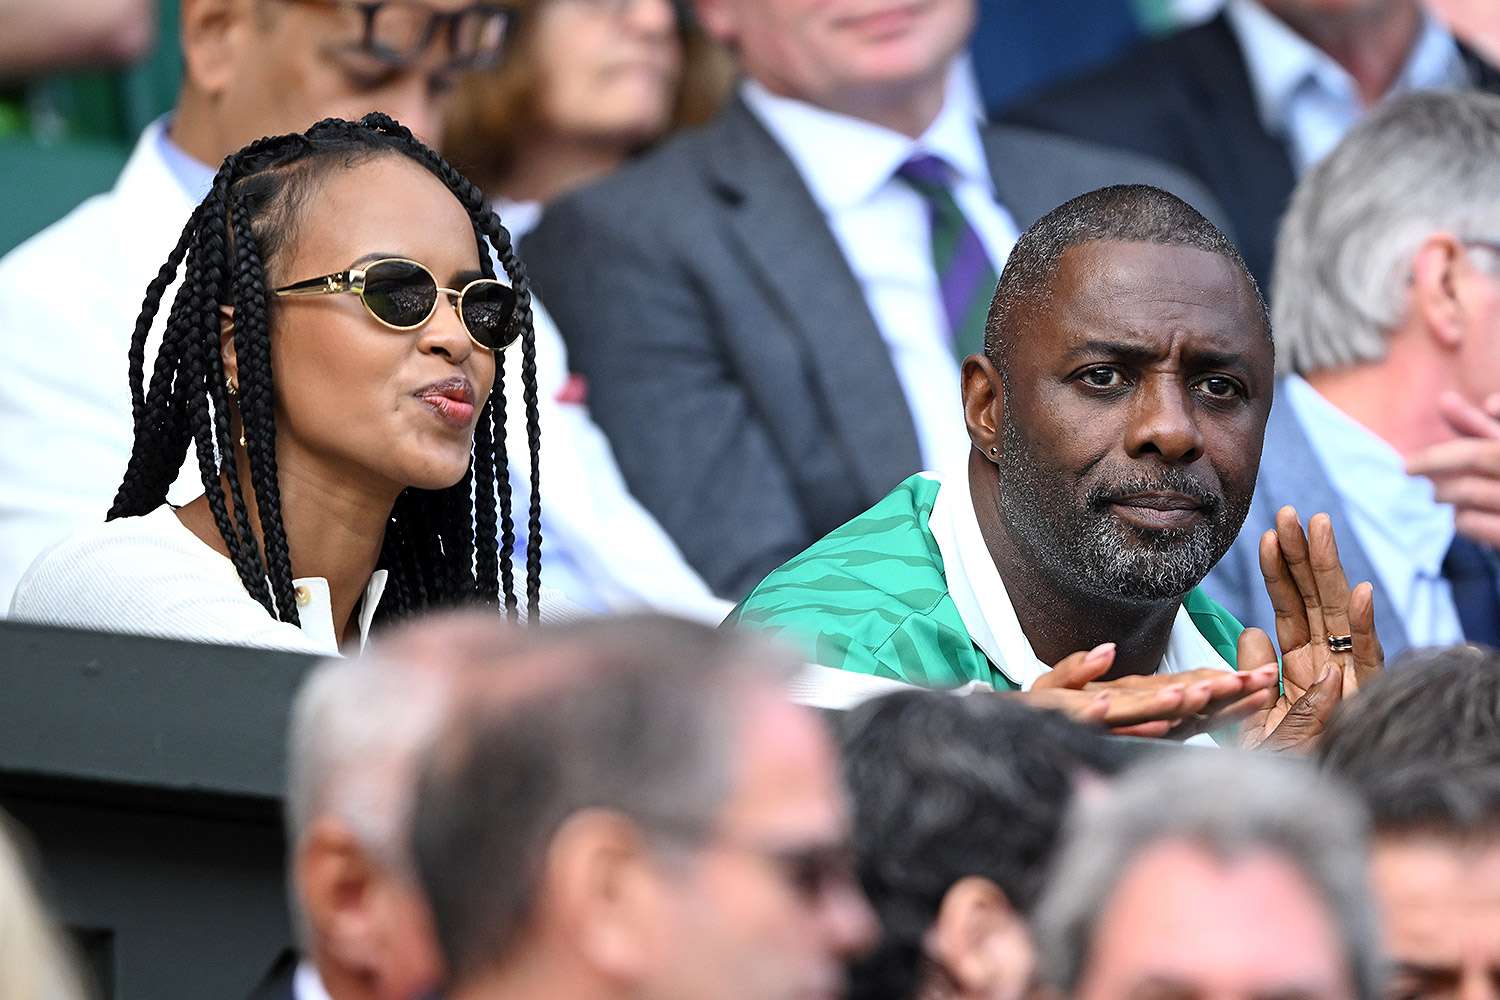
(211, 33)
(984, 404)
(604, 891)
(336, 888)
(1436, 275)
(981, 942)
(226, 345)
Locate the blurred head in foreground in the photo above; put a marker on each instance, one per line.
(633, 808)
(1220, 875)
(958, 806)
(1422, 747)
(35, 962)
(358, 727)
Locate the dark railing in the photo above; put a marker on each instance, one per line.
(148, 774)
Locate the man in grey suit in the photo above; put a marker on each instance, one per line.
(770, 312)
(1387, 326)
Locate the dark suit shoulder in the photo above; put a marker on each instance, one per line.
(652, 186)
(1126, 102)
(658, 206)
(1036, 170)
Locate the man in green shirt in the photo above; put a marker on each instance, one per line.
(1116, 418)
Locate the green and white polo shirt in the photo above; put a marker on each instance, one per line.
(907, 592)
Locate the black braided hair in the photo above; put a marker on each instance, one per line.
(441, 547)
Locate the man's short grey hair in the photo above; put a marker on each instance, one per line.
(635, 716)
(1421, 164)
(1231, 804)
(357, 728)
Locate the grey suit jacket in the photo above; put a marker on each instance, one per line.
(1290, 473)
(728, 350)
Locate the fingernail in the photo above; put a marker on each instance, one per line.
(1099, 652)
(1270, 670)
(1327, 673)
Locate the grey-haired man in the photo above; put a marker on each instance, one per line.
(1386, 308)
(1212, 876)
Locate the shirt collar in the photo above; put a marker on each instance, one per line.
(1370, 477)
(978, 592)
(315, 609)
(1281, 62)
(307, 984)
(868, 154)
(194, 177)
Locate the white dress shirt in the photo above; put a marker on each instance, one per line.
(1394, 516)
(881, 223)
(307, 984)
(1305, 96)
(65, 402)
(150, 575)
(600, 547)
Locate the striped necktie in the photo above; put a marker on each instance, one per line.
(1475, 594)
(966, 275)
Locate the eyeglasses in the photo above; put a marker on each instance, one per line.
(403, 295)
(396, 32)
(812, 872)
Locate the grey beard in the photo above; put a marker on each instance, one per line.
(1091, 551)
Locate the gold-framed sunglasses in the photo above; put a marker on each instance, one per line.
(403, 295)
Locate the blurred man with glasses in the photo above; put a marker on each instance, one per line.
(633, 809)
(253, 68)
(1386, 311)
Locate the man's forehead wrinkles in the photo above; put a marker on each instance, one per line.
(1155, 341)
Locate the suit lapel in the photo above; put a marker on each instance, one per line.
(1297, 477)
(1246, 167)
(801, 268)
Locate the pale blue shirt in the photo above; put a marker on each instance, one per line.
(195, 177)
(881, 224)
(1304, 96)
(1394, 517)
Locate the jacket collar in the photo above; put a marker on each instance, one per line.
(1298, 477)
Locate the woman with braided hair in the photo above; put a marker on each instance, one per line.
(335, 355)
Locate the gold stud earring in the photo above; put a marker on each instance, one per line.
(233, 388)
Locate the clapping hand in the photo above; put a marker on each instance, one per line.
(1316, 616)
(1158, 705)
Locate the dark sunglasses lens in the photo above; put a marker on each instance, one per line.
(488, 309)
(399, 292)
